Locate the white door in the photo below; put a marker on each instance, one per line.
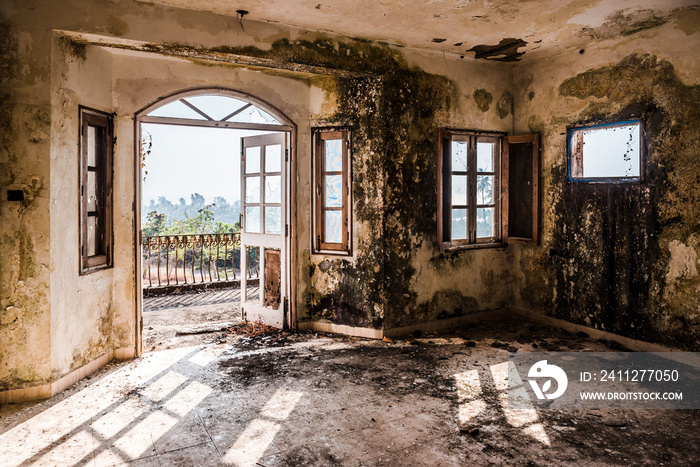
(264, 227)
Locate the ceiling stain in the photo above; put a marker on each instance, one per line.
(504, 51)
(620, 24)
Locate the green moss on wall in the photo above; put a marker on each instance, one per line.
(8, 55)
(27, 259)
(73, 47)
(394, 163)
(483, 99)
(505, 104)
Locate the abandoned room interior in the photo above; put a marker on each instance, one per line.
(426, 188)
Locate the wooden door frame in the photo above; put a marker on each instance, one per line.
(288, 126)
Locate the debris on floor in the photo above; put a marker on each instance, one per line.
(204, 329)
(307, 398)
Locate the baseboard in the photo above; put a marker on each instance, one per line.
(449, 323)
(430, 326)
(47, 390)
(124, 353)
(632, 344)
(341, 329)
(25, 394)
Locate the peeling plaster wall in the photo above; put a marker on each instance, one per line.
(82, 307)
(621, 258)
(24, 233)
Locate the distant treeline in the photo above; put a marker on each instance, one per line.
(167, 218)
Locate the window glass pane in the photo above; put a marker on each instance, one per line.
(459, 224)
(334, 191)
(92, 235)
(484, 189)
(459, 190)
(334, 155)
(484, 222)
(252, 219)
(91, 146)
(459, 156)
(333, 232)
(273, 189)
(91, 191)
(273, 158)
(217, 107)
(254, 115)
(484, 157)
(611, 151)
(253, 267)
(273, 220)
(252, 189)
(252, 159)
(176, 110)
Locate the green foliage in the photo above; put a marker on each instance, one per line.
(166, 218)
(154, 225)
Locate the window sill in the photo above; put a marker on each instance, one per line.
(477, 246)
(96, 268)
(332, 252)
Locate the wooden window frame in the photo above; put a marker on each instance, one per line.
(104, 169)
(444, 189)
(319, 246)
(501, 189)
(574, 151)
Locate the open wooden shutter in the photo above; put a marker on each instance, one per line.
(520, 174)
(444, 190)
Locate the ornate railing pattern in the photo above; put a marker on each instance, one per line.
(175, 260)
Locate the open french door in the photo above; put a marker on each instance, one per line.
(264, 214)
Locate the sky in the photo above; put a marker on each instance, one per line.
(186, 160)
(605, 149)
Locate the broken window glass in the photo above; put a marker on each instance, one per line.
(602, 152)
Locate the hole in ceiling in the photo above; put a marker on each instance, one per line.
(504, 51)
(438, 39)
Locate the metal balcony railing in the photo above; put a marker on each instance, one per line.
(178, 260)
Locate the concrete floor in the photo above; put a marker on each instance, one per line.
(306, 399)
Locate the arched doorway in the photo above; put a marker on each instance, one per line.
(254, 250)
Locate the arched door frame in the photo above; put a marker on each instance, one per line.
(287, 126)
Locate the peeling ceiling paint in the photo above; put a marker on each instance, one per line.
(458, 26)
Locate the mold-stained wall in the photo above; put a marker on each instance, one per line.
(619, 257)
(397, 275)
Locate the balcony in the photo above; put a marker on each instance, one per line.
(194, 261)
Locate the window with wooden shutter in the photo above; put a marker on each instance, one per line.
(487, 189)
(96, 145)
(520, 194)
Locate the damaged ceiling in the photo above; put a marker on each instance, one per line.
(502, 30)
